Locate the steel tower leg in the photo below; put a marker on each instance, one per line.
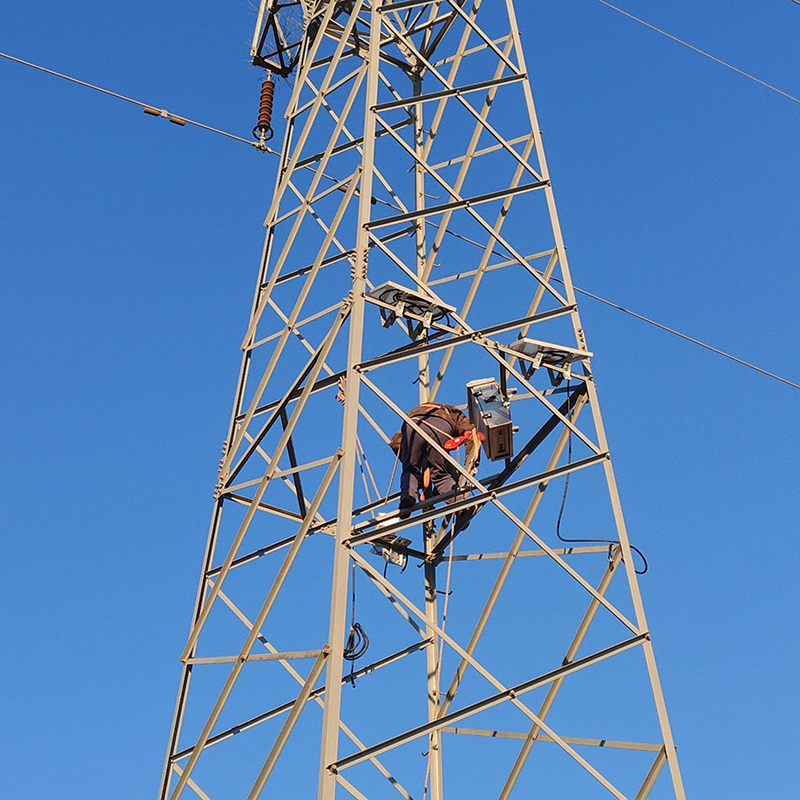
(412, 247)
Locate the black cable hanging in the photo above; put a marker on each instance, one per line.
(357, 639)
(609, 542)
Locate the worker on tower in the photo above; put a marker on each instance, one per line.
(424, 467)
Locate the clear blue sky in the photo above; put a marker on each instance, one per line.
(129, 249)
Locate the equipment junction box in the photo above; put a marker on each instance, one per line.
(489, 413)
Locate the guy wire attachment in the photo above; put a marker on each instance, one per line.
(263, 131)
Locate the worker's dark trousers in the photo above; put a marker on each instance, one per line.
(416, 454)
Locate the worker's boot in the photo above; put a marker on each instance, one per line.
(463, 519)
(406, 501)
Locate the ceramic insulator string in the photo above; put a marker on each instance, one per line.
(263, 130)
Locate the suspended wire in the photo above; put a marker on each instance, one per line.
(647, 319)
(702, 52)
(452, 233)
(688, 338)
(609, 542)
(161, 111)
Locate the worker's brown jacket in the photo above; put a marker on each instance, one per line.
(454, 416)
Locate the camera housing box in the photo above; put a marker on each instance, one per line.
(489, 413)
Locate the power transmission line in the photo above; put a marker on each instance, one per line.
(151, 109)
(649, 321)
(165, 113)
(689, 338)
(702, 52)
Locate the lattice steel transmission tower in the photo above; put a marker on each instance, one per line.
(413, 249)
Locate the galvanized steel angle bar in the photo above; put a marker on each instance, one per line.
(289, 484)
(278, 474)
(297, 326)
(431, 624)
(492, 494)
(278, 351)
(427, 347)
(186, 670)
(489, 267)
(378, 242)
(331, 374)
(316, 695)
(481, 34)
(611, 744)
(330, 89)
(308, 202)
(402, 102)
(456, 65)
(340, 566)
(593, 550)
(336, 258)
(570, 293)
(472, 482)
(192, 785)
(402, 5)
(319, 386)
(387, 590)
(652, 775)
(304, 135)
(458, 185)
(519, 259)
(465, 52)
(286, 656)
(350, 788)
(316, 266)
(356, 143)
(504, 693)
(299, 213)
(306, 379)
(288, 726)
(489, 702)
(556, 685)
(319, 220)
(246, 501)
(670, 750)
(262, 487)
(406, 24)
(500, 139)
(483, 264)
(326, 262)
(307, 63)
(444, 20)
(454, 205)
(257, 624)
(483, 151)
(560, 561)
(547, 276)
(256, 554)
